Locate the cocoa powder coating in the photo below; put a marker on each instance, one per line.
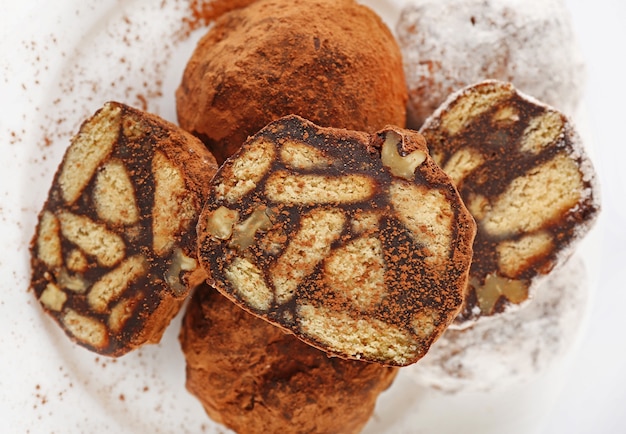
(255, 378)
(332, 62)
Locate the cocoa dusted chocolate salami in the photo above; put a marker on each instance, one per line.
(114, 254)
(523, 173)
(255, 378)
(333, 62)
(357, 243)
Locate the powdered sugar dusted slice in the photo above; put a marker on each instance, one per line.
(522, 171)
(358, 244)
(114, 254)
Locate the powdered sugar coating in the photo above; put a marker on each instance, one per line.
(509, 349)
(447, 45)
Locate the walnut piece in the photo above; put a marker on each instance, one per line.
(399, 165)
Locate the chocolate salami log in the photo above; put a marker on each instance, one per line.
(255, 378)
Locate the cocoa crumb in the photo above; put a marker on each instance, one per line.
(203, 12)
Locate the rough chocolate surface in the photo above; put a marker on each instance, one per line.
(333, 62)
(255, 378)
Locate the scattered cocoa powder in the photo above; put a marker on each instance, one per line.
(203, 12)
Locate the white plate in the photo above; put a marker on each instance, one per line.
(60, 61)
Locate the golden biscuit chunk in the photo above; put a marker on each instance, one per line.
(521, 169)
(363, 253)
(114, 254)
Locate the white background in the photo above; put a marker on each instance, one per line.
(594, 400)
(37, 394)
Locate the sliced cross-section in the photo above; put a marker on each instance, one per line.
(114, 254)
(358, 244)
(522, 171)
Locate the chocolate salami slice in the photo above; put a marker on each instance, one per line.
(358, 244)
(114, 254)
(522, 171)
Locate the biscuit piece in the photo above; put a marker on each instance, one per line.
(530, 44)
(523, 174)
(331, 61)
(358, 244)
(114, 254)
(255, 378)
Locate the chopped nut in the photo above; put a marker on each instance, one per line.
(495, 287)
(180, 262)
(221, 221)
(273, 241)
(75, 283)
(53, 297)
(401, 166)
(244, 233)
